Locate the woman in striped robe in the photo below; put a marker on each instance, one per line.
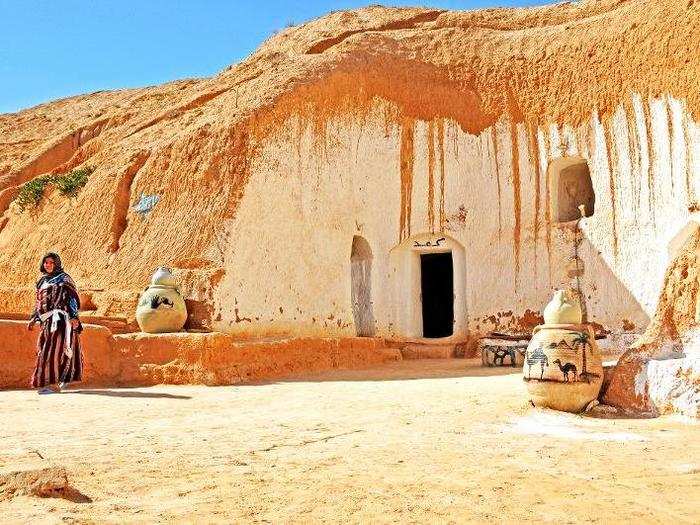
(59, 360)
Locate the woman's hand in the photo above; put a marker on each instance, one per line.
(30, 324)
(74, 323)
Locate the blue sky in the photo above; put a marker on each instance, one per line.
(57, 48)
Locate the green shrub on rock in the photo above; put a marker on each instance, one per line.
(31, 192)
(68, 184)
(71, 183)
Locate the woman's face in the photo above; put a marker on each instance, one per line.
(49, 265)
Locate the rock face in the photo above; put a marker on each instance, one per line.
(673, 385)
(422, 132)
(661, 372)
(657, 386)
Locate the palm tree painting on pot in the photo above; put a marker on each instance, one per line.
(582, 339)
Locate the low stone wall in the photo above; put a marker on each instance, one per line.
(18, 355)
(116, 325)
(218, 359)
(188, 358)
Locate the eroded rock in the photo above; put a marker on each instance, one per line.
(50, 482)
(657, 386)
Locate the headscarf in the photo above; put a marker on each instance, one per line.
(58, 267)
(57, 276)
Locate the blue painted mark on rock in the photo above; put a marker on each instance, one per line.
(145, 203)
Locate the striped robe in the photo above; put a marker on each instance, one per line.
(52, 364)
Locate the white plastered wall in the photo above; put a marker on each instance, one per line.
(288, 258)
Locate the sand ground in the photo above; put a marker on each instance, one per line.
(416, 441)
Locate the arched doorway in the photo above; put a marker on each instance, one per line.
(429, 287)
(361, 283)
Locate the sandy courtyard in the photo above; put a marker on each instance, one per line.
(417, 441)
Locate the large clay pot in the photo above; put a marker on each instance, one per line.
(161, 308)
(563, 368)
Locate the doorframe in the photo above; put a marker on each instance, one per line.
(406, 285)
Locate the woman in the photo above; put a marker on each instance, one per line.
(59, 360)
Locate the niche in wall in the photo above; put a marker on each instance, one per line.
(571, 186)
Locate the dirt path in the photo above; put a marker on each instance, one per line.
(420, 441)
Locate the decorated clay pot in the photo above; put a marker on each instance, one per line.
(563, 369)
(161, 308)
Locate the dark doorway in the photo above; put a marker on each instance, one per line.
(437, 293)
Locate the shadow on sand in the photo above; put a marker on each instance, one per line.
(406, 370)
(72, 494)
(126, 393)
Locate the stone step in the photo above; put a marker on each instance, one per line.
(420, 351)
